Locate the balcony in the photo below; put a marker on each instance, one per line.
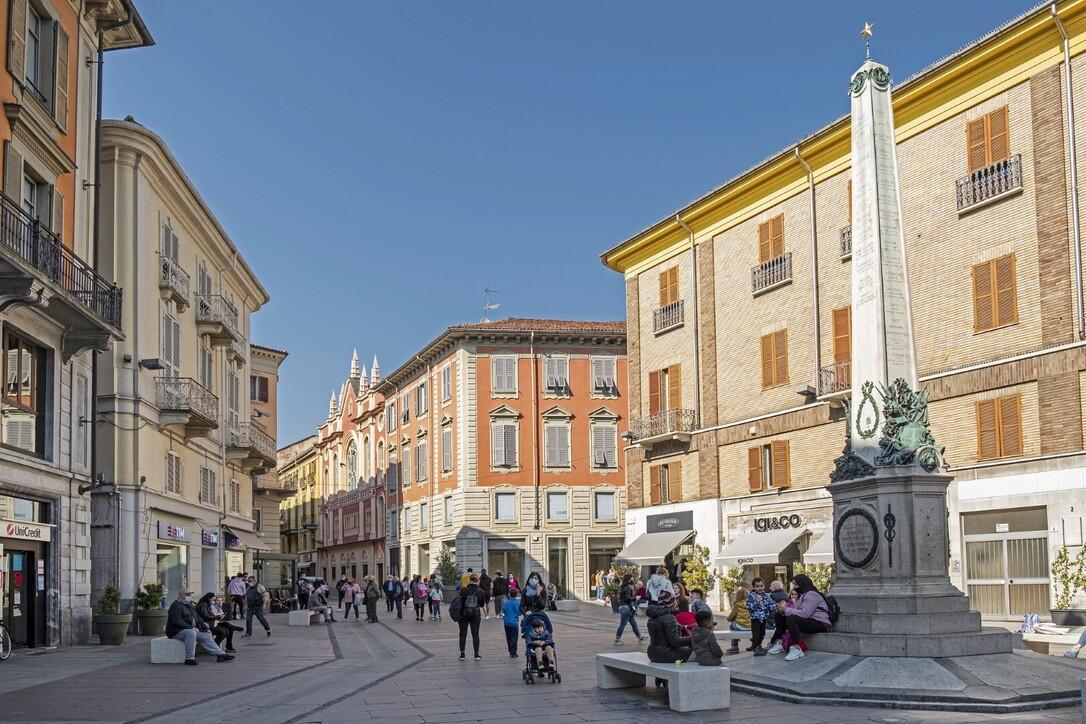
(238, 350)
(216, 318)
(835, 381)
(36, 269)
(251, 446)
(846, 242)
(670, 425)
(173, 282)
(185, 402)
(989, 184)
(668, 317)
(771, 274)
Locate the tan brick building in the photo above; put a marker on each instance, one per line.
(739, 326)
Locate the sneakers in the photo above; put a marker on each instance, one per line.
(775, 649)
(478, 657)
(759, 651)
(618, 642)
(732, 650)
(230, 650)
(267, 631)
(794, 653)
(461, 655)
(642, 639)
(190, 662)
(221, 658)
(1071, 653)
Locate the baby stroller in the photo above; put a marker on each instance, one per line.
(531, 668)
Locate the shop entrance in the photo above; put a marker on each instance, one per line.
(505, 556)
(24, 597)
(173, 569)
(601, 554)
(1006, 561)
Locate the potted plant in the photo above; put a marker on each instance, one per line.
(111, 625)
(1069, 576)
(821, 574)
(697, 573)
(732, 581)
(149, 612)
(448, 572)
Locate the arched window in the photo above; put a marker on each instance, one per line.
(380, 527)
(381, 458)
(366, 458)
(352, 466)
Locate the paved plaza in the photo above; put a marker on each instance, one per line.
(400, 671)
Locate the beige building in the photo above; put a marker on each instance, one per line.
(740, 329)
(179, 445)
(300, 471)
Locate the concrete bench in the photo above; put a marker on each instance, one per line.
(690, 687)
(165, 650)
(726, 635)
(568, 604)
(304, 617)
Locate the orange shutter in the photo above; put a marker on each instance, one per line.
(674, 387)
(1010, 426)
(765, 243)
(776, 233)
(754, 468)
(842, 334)
(663, 289)
(654, 392)
(1005, 291)
(983, 303)
(987, 430)
(674, 482)
(782, 472)
(780, 357)
(999, 147)
(673, 285)
(767, 360)
(976, 144)
(654, 485)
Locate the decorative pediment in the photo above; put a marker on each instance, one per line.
(557, 413)
(446, 420)
(603, 414)
(504, 411)
(421, 432)
(405, 440)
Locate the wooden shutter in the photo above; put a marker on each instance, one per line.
(57, 222)
(776, 236)
(60, 96)
(780, 357)
(767, 360)
(550, 454)
(976, 144)
(998, 133)
(754, 469)
(782, 471)
(765, 243)
(987, 430)
(17, 40)
(167, 345)
(654, 392)
(842, 334)
(510, 445)
(1010, 426)
(262, 383)
(599, 442)
(563, 445)
(610, 446)
(664, 289)
(1004, 290)
(13, 172)
(983, 301)
(598, 378)
(674, 482)
(669, 286)
(674, 387)
(654, 485)
(446, 449)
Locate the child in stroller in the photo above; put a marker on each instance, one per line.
(539, 647)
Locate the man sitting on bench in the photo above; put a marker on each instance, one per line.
(184, 624)
(318, 603)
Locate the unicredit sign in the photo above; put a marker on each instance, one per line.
(26, 531)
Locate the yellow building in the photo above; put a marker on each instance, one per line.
(299, 469)
(740, 329)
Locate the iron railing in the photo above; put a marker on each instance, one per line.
(248, 435)
(173, 278)
(42, 249)
(663, 423)
(214, 308)
(771, 273)
(239, 349)
(668, 317)
(184, 394)
(846, 242)
(835, 378)
(989, 182)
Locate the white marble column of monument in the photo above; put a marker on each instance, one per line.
(882, 332)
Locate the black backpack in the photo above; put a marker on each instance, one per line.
(833, 610)
(471, 605)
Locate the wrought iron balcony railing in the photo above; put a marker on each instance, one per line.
(239, 350)
(42, 249)
(249, 436)
(835, 378)
(772, 273)
(215, 309)
(184, 394)
(990, 182)
(663, 423)
(846, 242)
(173, 280)
(668, 317)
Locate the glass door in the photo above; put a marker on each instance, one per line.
(1007, 575)
(19, 603)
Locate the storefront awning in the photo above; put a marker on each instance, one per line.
(821, 551)
(755, 549)
(649, 549)
(249, 540)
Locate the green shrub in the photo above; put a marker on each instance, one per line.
(697, 574)
(109, 601)
(151, 597)
(447, 569)
(821, 574)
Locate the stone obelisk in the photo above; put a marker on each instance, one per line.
(891, 542)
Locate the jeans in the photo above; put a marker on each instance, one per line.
(465, 622)
(796, 625)
(191, 637)
(303, 600)
(259, 613)
(399, 608)
(628, 616)
(736, 627)
(436, 606)
(511, 636)
(237, 604)
(347, 611)
(779, 627)
(599, 593)
(326, 610)
(389, 602)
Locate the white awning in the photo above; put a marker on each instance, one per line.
(821, 551)
(649, 549)
(247, 539)
(754, 549)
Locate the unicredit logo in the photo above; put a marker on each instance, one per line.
(15, 530)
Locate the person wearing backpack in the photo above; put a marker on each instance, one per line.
(470, 612)
(420, 595)
(809, 613)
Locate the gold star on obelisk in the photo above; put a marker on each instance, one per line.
(866, 34)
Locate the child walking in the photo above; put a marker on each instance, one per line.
(511, 620)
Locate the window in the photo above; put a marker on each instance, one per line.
(604, 445)
(557, 508)
(30, 197)
(171, 346)
(367, 460)
(995, 294)
(768, 466)
(424, 518)
(235, 496)
(503, 444)
(422, 469)
(173, 473)
(233, 398)
(556, 435)
(381, 457)
(394, 524)
(203, 280)
(988, 139)
(842, 346)
(505, 507)
(406, 466)
(33, 50)
(603, 376)
(390, 415)
(207, 486)
(38, 57)
(446, 384)
(25, 394)
(405, 415)
(206, 365)
(83, 421)
(556, 373)
(775, 359)
(503, 375)
(771, 239)
(999, 427)
(669, 286)
(420, 400)
(170, 244)
(605, 506)
(448, 510)
(258, 523)
(666, 483)
(352, 467)
(258, 388)
(446, 449)
(665, 389)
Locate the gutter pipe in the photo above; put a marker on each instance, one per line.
(694, 310)
(814, 270)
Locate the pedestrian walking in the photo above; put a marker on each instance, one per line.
(627, 609)
(305, 587)
(236, 590)
(420, 596)
(351, 594)
(371, 594)
(437, 594)
(499, 589)
(339, 589)
(389, 590)
(484, 586)
(469, 614)
(511, 622)
(254, 606)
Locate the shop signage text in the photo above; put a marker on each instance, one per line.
(210, 538)
(663, 522)
(777, 522)
(173, 532)
(26, 531)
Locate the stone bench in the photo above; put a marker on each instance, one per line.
(568, 604)
(165, 650)
(304, 617)
(728, 635)
(690, 687)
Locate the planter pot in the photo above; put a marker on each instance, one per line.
(449, 594)
(112, 629)
(1069, 617)
(153, 622)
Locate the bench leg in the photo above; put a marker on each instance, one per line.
(699, 693)
(609, 678)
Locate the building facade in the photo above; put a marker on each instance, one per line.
(739, 319)
(272, 566)
(58, 310)
(179, 444)
(299, 470)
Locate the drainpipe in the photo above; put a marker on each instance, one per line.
(814, 269)
(694, 311)
(535, 428)
(1069, 109)
(430, 453)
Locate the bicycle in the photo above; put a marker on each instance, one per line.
(281, 604)
(5, 642)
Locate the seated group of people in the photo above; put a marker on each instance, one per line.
(203, 623)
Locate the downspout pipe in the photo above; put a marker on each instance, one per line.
(1069, 110)
(694, 313)
(535, 429)
(814, 269)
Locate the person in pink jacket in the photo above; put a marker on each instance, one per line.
(351, 593)
(808, 613)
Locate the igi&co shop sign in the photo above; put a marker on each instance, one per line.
(777, 522)
(25, 531)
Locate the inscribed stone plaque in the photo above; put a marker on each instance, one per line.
(856, 538)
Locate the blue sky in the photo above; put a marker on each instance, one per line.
(380, 163)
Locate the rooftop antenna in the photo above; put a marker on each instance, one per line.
(487, 304)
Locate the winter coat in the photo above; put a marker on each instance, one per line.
(760, 606)
(666, 645)
(472, 589)
(706, 649)
(372, 592)
(501, 587)
(351, 593)
(740, 614)
(485, 583)
(658, 583)
(810, 605)
(182, 616)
